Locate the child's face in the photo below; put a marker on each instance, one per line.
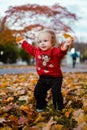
(44, 41)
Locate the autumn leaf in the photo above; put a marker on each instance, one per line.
(79, 116)
(22, 120)
(18, 39)
(66, 35)
(17, 103)
(2, 120)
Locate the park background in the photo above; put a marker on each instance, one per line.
(17, 69)
(26, 18)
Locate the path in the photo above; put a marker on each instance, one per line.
(17, 70)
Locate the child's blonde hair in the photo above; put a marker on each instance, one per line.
(53, 36)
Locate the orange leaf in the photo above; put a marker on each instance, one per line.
(68, 36)
(25, 109)
(18, 39)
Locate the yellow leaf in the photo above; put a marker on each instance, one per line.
(10, 99)
(38, 118)
(3, 85)
(67, 113)
(5, 128)
(59, 126)
(24, 108)
(85, 127)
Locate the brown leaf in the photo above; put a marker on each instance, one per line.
(22, 120)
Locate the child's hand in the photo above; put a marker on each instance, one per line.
(19, 40)
(68, 38)
(68, 41)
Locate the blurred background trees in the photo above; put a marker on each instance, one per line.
(8, 48)
(26, 20)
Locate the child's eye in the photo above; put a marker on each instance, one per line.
(39, 41)
(45, 40)
(42, 41)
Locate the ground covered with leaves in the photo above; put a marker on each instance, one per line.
(17, 104)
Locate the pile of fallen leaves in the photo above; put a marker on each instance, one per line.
(17, 104)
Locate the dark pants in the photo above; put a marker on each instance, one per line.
(74, 62)
(40, 92)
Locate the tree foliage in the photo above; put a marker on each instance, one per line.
(6, 35)
(8, 49)
(10, 53)
(24, 56)
(24, 18)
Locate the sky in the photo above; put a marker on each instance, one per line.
(79, 7)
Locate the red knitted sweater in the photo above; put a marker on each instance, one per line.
(47, 62)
